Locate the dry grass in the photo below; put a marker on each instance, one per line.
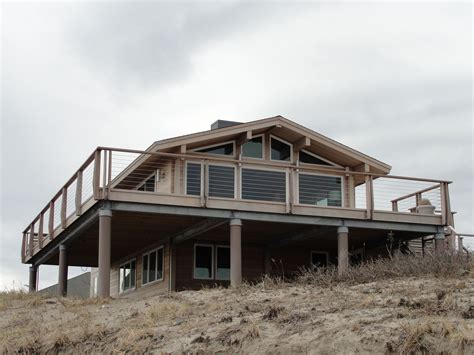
(402, 307)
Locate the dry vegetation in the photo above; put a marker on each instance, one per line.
(404, 305)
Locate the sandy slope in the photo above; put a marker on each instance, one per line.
(424, 314)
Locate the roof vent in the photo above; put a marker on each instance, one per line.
(221, 124)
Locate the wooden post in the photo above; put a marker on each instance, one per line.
(105, 231)
(342, 250)
(440, 242)
(51, 221)
(235, 252)
(394, 206)
(445, 205)
(104, 176)
(369, 192)
(23, 247)
(40, 231)
(63, 207)
(351, 191)
(79, 193)
(96, 176)
(32, 236)
(62, 277)
(290, 188)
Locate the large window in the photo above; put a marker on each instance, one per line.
(253, 148)
(127, 278)
(221, 181)
(320, 190)
(221, 149)
(148, 185)
(152, 269)
(203, 262)
(280, 150)
(222, 262)
(309, 158)
(193, 179)
(263, 185)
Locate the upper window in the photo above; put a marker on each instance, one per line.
(152, 269)
(320, 190)
(193, 179)
(203, 262)
(306, 157)
(148, 185)
(253, 148)
(223, 263)
(127, 278)
(280, 150)
(263, 185)
(221, 181)
(222, 149)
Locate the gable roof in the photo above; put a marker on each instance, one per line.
(283, 128)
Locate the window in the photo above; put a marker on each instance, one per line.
(280, 150)
(263, 185)
(221, 181)
(127, 276)
(221, 149)
(253, 148)
(203, 262)
(319, 259)
(306, 157)
(193, 179)
(223, 263)
(320, 190)
(153, 263)
(148, 185)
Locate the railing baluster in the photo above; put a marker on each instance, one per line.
(32, 236)
(104, 175)
(79, 193)
(96, 178)
(23, 247)
(369, 193)
(40, 231)
(51, 220)
(63, 207)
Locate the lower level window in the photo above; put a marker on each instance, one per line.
(319, 259)
(152, 269)
(127, 276)
(222, 263)
(203, 261)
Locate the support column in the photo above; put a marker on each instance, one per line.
(235, 252)
(32, 285)
(105, 226)
(440, 242)
(342, 250)
(62, 278)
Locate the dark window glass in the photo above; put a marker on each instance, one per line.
(253, 148)
(159, 266)
(263, 185)
(221, 181)
(280, 150)
(193, 179)
(148, 185)
(152, 268)
(319, 259)
(320, 190)
(225, 149)
(133, 274)
(203, 262)
(145, 270)
(223, 263)
(309, 159)
(127, 275)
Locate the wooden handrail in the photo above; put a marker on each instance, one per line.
(398, 199)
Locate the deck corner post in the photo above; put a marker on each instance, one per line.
(105, 227)
(32, 284)
(440, 242)
(235, 252)
(63, 270)
(342, 250)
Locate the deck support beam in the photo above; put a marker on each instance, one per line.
(235, 252)
(440, 242)
(32, 285)
(63, 270)
(105, 229)
(342, 250)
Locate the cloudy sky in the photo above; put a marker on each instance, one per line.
(393, 80)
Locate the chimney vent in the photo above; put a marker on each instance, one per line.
(221, 124)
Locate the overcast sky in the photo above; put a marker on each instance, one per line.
(393, 80)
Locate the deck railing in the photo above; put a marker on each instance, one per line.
(114, 173)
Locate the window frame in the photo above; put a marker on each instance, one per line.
(282, 141)
(212, 260)
(229, 165)
(196, 162)
(318, 174)
(263, 148)
(196, 150)
(318, 252)
(148, 263)
(217, 247)
(119, 283)
(265, 168)
(318, 157)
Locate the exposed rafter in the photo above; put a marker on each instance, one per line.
(243, 138)
(302, 143)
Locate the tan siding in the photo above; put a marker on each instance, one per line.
(166, 177)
